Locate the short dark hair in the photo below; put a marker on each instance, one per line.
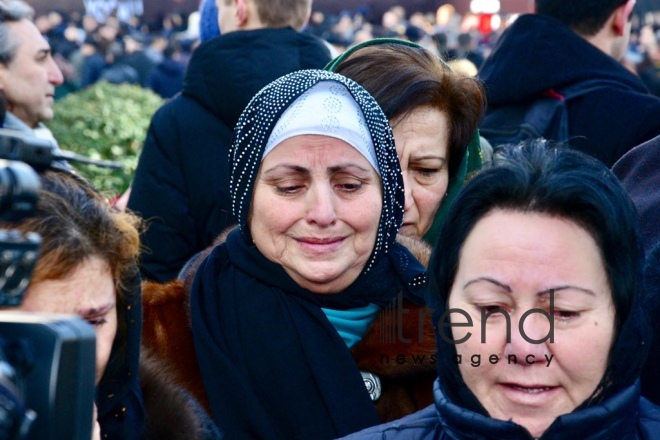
(10, 12)
(534, 177)
(585, 17)
(402, 78)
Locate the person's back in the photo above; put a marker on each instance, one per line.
(564, 44)
(640, 176)
(182, 180)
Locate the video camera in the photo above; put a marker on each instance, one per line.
(47, 361)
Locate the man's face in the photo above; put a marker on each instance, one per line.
(29, 80)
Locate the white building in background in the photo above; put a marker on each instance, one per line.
(125, 9)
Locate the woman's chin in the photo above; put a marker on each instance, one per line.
(323, 280)
(534, 418)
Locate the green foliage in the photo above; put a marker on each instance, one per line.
(105, 121)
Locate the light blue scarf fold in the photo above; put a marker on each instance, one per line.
(352, 324)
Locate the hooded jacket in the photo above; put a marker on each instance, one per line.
(624, 415)
(640, 176)
(538, 54)
(181, 185)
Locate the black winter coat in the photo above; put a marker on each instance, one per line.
(181, 185)
(640, 175)
(538, 53)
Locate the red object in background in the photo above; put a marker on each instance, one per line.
(485, 23)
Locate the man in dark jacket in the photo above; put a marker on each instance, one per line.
(563, 44)
(181, 186)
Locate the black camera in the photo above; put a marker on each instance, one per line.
(47, 361)
(46, 376)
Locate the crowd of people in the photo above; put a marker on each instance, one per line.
(155, 54)
(152, 55)
(321, 242)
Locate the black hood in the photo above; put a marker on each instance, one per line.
(538, 53)
(227, 71)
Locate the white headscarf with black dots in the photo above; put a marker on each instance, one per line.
(260, 117)
(327, 109)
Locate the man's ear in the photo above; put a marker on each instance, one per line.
(242, 12)
(621, 17)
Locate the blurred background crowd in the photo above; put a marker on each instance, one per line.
(135, 57)
(113, 45)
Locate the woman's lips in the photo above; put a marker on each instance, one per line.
(531, 390)
(528, 394)
(320, 244)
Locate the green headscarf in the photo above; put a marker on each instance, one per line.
(472, 159)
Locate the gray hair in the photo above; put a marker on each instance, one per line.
(11, 11)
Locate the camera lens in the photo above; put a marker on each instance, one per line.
(19, 186)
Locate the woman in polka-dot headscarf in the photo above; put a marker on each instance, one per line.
(318, 193)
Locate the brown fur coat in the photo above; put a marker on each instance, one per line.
(171, 412)
(399, 346)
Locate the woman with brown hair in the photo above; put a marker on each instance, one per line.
(87, 267)
(434, 113)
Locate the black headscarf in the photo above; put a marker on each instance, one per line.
(120, 406)
(272, 364)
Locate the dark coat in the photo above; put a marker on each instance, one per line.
(538, 54)
(181, 184)
(640, 175)
(137, 398)
(624, 415)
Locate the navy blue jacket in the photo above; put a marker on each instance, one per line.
(538, 53)
(640, 175)
(181, 185)
(624, 416)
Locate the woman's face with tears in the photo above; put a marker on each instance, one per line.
(315, 211)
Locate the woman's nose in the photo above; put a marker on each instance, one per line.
(321, 206)
(529, 341)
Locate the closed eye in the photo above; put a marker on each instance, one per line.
(289, 190)
(97, 322)
(350, 187)
(491, 308)
(566, 315)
